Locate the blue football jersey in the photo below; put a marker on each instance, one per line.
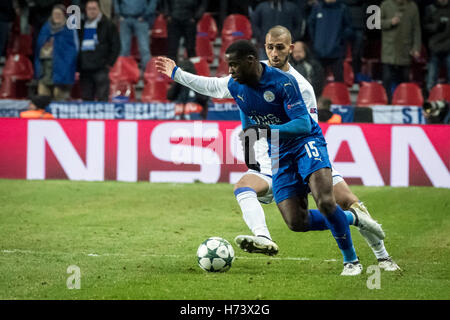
(275, 100)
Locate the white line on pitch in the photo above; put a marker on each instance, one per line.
(151, 255)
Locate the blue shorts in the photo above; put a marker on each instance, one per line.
(291, 177)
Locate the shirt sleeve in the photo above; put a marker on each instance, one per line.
(208, 86)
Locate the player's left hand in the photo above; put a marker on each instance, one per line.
(165, 66)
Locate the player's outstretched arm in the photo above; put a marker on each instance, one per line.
(208, 86)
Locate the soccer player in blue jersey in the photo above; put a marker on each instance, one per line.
(270, 103)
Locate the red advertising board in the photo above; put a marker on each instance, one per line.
(209, 151)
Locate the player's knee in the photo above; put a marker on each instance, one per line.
(326, 205)
(299, 223)
(298, 226)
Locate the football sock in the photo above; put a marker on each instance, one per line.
(317, 221)
(252, 211)
(340, 229)
(373, 241)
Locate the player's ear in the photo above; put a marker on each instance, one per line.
(291, 48)
(251, 58)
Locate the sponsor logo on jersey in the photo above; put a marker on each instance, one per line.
(240, 98)
(269, 96)
(289, 106)
(312, 110)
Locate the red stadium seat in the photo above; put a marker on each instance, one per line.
(225, 43)
(201, 66)
(19, 67)
(204, 48)
(151, 73)
(407, 94)
(337, 92)
(13, 89)
(222, 69)
(159, 29)
(122, 89)
(440, 91)
(236, 26)
(155, 91)
(207, 27)
(125, 69)
(22, 44)
(371, 93)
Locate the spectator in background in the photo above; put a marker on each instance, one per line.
(39, 12)
(7, 16)
(182, 17)
(357, 10)
(324, 111)
(106, 6)
(183, 95)
(100, 47)
(55, 58)
(437, 25)
(400, 41)
(36, 108)
(330, 28)
(307, 66)
(270, 13)
(136, 18)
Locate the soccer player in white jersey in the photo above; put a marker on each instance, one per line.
(259, 183)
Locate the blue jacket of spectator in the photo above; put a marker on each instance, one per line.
(65, 52)
(136, 8)
(330, 26)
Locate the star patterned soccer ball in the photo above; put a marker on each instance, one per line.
(215, 255)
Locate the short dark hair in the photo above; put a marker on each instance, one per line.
(242, 48)
(97, 1)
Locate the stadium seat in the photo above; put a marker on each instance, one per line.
(225, 43)
(222, 69)
(204, 48)
(337, 92)
(13, 89)
(159, 29)
(158, 38)
(236, 26)
(151, 74)
(122, 90)
(125, 69)
(440, 91)
(407, 94)
(201, 66)
(371, 93)
(207, 27)
(22, 44)
(18, 67)
(155, 91)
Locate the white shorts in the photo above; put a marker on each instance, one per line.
(268, 196)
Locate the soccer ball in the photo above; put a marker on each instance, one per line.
(215, 255)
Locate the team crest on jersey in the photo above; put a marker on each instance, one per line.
(269, 96)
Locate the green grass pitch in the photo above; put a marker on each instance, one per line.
(138, 241)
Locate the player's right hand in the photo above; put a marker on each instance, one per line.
(165, 65)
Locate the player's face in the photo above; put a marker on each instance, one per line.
(278, 50)
(239, 68)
